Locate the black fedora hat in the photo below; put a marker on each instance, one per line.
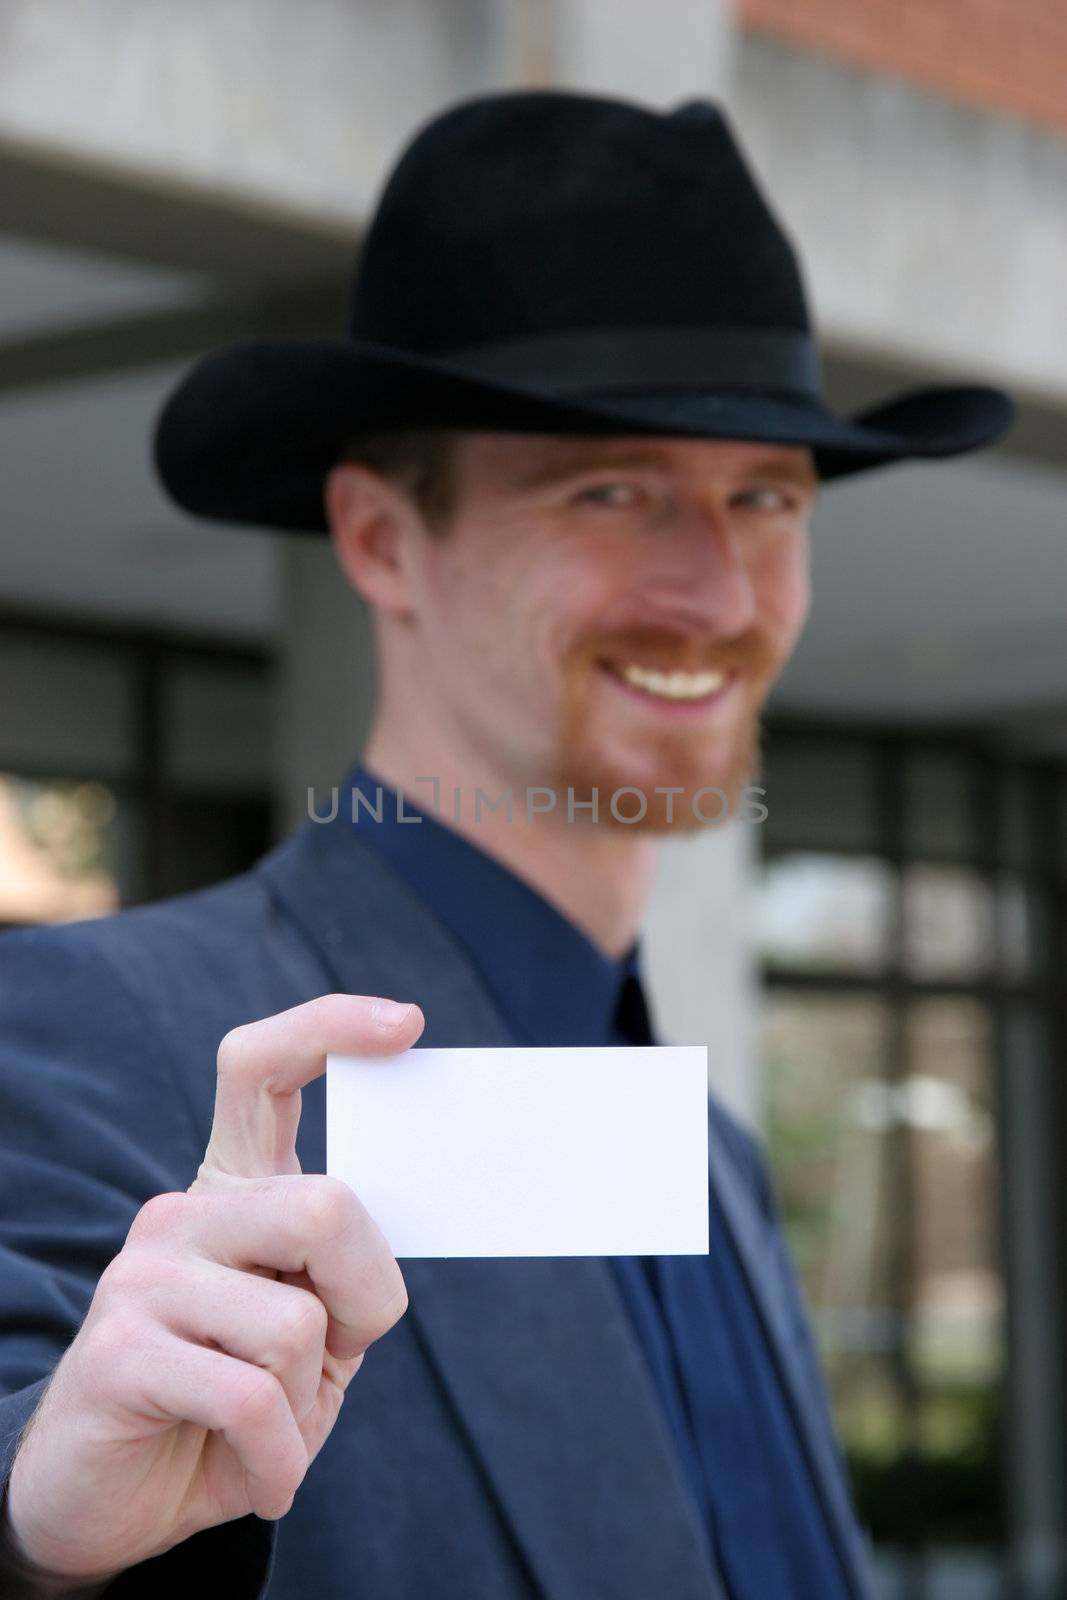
(553, 263)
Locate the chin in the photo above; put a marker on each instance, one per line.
(690, 772)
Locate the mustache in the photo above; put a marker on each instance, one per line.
(662, 650)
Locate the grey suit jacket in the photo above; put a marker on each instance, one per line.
(504, 1439)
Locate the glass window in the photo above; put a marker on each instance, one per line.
(200, 840)
(67, 707)
(105, 805)
(57, 857)
(949, 930)
(1059, 848)
(821, 795)
(1024, 929)
(816, 912)
(217, 721)
(910, 1322)
(957, 1335)
(880, 1117)
(822, 1057)
(949, 1104)
(1018, 831)
(940, 811)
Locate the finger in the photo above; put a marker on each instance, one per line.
(259, 1320)
(262, 1067)
(318, 1423)
(176, 1381)
(315, 1225)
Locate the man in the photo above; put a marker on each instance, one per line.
(568, 452)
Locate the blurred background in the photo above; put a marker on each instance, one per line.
(877, 967)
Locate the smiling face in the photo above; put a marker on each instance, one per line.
(602, 613)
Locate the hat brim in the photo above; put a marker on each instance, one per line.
(250, 433)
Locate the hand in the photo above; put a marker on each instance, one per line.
(214, 1358)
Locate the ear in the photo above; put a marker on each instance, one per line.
(369, 526)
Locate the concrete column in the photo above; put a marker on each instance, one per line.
(699, 960)
(326, 679)
(931, 232)
(290, 106)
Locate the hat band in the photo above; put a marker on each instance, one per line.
(643, 359)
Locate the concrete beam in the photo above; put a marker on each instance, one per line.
(295, 105)
(657, 54)
(64, 198)
(855, 378)
(124, 344)
(932, 233)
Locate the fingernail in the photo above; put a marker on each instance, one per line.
(389, 1013)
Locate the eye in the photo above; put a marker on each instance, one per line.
(608, 494)
(765, 497)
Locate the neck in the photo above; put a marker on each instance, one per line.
(598, 875)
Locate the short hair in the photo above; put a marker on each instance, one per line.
(421, 461)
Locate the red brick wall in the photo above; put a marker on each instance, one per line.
(1001, 55)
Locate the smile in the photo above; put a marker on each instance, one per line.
(668, 685)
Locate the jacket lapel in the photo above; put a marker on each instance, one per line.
(536, 1355)
(776, 1299)
(541, 1365)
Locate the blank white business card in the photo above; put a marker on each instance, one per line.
(516, 1152)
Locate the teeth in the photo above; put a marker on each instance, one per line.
(674, 685)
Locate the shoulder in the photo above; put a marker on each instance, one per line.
(130, 997)
(182, 937)
(230, 938)
(208, 920)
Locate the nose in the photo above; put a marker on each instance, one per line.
(695, 574)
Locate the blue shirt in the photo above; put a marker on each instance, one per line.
(693, 1315)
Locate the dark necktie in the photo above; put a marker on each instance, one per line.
(631, 1013)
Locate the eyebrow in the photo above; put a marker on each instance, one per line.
(545, 474)
(799, 472)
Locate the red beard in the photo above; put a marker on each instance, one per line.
(689, 759)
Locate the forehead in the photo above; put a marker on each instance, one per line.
(522, 463)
